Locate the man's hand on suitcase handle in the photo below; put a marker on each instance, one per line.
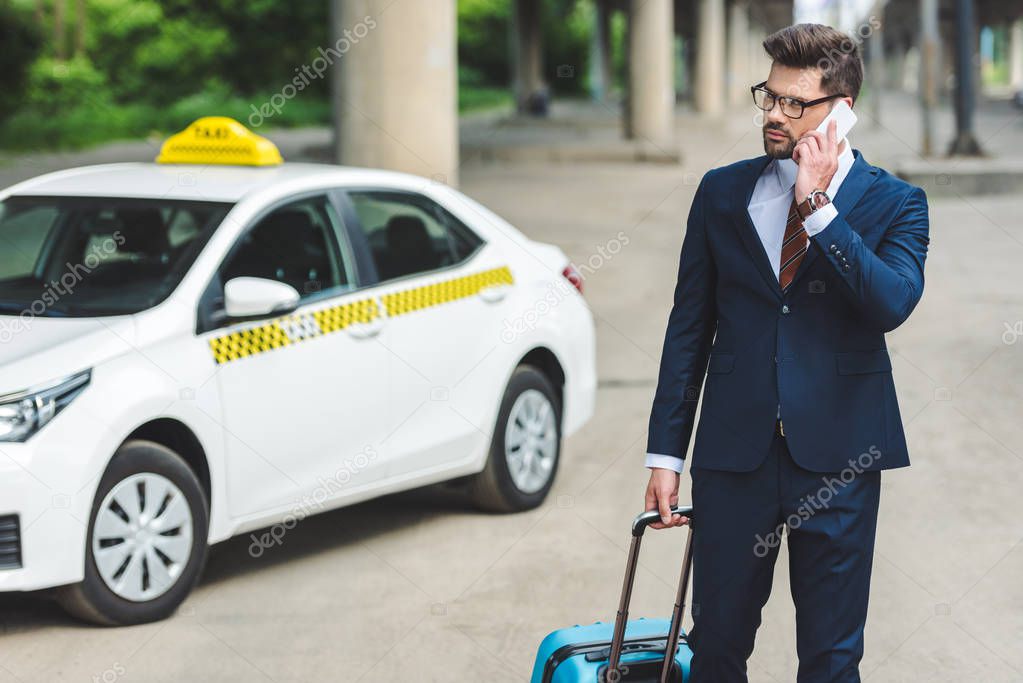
(661, 495)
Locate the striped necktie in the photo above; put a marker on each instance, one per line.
(793, 246)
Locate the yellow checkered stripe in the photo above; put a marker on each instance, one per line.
(296, 328)
(418, 298)
(291, 329)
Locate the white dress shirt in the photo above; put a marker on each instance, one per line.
(769, 210)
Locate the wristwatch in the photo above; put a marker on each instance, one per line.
(815, 200)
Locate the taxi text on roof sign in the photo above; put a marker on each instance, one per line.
(218, 140)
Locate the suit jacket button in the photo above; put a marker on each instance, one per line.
(846, 267)
(833, 248)
(785, 310)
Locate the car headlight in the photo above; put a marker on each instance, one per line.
(24, 413)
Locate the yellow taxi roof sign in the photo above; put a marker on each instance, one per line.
(218, 140)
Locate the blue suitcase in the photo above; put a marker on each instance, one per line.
(626, 651)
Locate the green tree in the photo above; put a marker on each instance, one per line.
(22, 43)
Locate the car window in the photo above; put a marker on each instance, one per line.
(24, 234)
(295, 244)
(107, 255)
(408, 233)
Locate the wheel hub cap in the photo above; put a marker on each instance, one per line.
(142, 537)
(531, 441)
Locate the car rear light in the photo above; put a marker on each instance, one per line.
(573, 276)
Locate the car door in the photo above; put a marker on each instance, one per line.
(441, 287)
(303, 395)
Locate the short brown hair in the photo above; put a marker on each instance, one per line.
(834, 53)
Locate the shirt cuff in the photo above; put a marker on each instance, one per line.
(819, 219)
(668, 462)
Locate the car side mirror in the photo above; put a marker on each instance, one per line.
(250, 298)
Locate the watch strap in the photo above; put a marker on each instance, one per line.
(804, 209)
(812, 203)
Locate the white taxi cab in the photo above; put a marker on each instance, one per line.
(219, 342)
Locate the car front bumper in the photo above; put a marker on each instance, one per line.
(47, 485)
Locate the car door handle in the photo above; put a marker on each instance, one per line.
(366, 330)
(494, 294)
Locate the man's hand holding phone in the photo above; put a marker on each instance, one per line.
(661, 494)
(817, 156)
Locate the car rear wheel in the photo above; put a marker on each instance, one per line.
(525, 448)
(147, 539)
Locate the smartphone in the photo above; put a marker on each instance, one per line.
(845, 117)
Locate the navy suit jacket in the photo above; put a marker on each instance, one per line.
(817, 350)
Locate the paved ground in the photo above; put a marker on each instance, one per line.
(415, 587)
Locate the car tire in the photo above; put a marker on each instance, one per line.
(172, 534)
(519, 474)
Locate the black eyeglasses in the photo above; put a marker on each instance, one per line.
(792, 107)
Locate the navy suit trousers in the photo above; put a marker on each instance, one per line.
(828, 521)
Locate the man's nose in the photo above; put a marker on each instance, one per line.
(776, 116)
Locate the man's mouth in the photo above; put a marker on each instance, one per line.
(775, 135)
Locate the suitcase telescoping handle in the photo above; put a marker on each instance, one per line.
(639, 525)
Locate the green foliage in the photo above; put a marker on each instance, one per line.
(151, 66)
(96, 122)
(268, 39)
(21, 43)
(149, 56)
(473, 98)
(484, 29)
(484, 47)
(55, 86)
(566, 40)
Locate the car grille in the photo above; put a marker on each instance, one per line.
(10, 542)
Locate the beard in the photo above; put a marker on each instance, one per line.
(778, 150)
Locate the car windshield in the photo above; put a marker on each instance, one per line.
(70, 256)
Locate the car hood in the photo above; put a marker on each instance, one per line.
(36, 350)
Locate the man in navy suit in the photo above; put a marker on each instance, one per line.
(793, 267)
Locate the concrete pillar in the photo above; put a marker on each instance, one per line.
(527, 52)
(929, 73)
(601, 81)
(651, 68)
(627, 130)
(1016, 53)
(396, 87)
(965, 143)
(710, 57)
(875, 64)
(895, 74)
(760, 63)
(738, 52)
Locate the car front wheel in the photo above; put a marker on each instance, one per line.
(147, 539)
(525, 448)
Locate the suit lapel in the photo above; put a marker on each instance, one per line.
(860, 176)
(745, 184)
